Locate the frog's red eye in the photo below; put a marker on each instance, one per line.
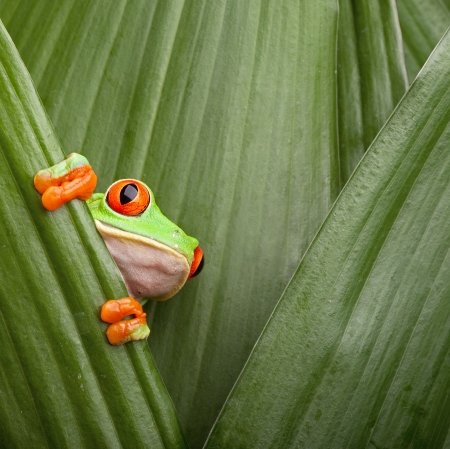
(197, 263)
(128, 197)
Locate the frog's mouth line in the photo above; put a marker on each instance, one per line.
(112, 231)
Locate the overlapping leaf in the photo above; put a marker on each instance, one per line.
(61, 383)
(356, 353)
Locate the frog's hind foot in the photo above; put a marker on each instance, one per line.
(122, 331)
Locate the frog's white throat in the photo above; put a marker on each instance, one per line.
(150, 269)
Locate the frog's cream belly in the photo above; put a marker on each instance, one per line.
(149, 268)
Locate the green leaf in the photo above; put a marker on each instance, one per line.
(371, 75)
(63, 385)
(423, 23)
(356, 352)
(228, 111)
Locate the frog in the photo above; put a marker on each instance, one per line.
(155, 257)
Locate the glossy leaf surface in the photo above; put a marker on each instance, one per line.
(61, 383)
(423, 23)
(356, 353)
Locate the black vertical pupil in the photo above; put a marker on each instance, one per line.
(128, 193)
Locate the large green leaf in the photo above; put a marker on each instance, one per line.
(423, 23)
(356, 353)
(228, 110)
(61, 383)
(371, 75)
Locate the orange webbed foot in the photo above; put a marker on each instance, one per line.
(122, 331)
(70, 179)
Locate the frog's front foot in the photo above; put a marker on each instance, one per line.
(72, 178)
(122, 331)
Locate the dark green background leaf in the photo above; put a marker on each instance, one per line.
(62, 384)
(371, 75)
(423, 23)
(356, 353)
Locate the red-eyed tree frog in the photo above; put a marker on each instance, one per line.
(153, 254)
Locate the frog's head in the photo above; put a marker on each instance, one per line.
(153, 254)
